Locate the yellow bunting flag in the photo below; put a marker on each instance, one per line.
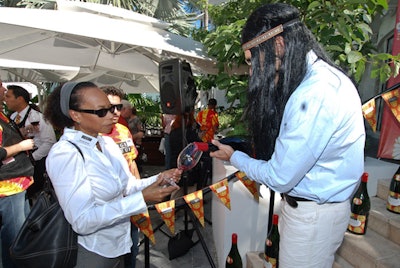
(251, 185)
(392, 100)
(167, 212)
(221, 190)
(195, 202)
(143, 222)
(369, 112)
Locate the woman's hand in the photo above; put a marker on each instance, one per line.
(224, 151)
(171, 176)
(160, 189)
(26, 145)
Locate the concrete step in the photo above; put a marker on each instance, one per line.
(383, 188)
(384, 222)
(369, 251)
(254, 259)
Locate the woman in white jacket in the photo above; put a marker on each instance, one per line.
(94, 186)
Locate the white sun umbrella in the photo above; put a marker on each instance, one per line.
(35, 73)
(95, 41)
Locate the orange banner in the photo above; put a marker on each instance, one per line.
(251, 185)
(143, 222)
(369, 112)
(195, 202)
(392, 100)
(221, 190)
(167, 212)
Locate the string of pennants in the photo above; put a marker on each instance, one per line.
(391, 98)
(195, 202)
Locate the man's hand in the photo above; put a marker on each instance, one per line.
(224, 151)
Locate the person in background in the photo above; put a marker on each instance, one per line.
(17, 99)
(120, 133)
(122, 136)
(136, 126)
(166, 121)
(125, 112)
(208, 121)
(96, 189)
(133, 126)
(304, 116)
(12, 191)
(2, 93)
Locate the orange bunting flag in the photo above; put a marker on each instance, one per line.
(195, 202)
(143, 222)
(369, 113)
(221, 190)
(392, 100)
(167, 212)
(251, 185)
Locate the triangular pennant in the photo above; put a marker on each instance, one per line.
(221, 190)
(167, 212)
(392, 100)
(143, 222)
(369, 112)
(195, 202)
(251, 185)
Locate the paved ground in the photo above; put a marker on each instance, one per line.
(158, 253)
(196, 256)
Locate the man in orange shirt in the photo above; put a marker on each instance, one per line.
(123, 137)
(208, 121)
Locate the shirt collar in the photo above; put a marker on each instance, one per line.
(81, 138)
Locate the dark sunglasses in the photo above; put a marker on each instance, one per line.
(101, 112)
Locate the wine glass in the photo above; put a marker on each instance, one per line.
(33, 128)
(188, 158)
(34, 119)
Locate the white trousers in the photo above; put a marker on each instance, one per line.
(310, 234)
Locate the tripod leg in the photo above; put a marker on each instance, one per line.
(201, 238)
(146, 252)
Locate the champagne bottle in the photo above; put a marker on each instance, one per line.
(233, 260)
(271, 248)
(360, 206)
(393, 201)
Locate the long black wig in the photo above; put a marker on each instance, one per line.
(266, 99)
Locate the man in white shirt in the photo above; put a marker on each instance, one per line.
(17, 99)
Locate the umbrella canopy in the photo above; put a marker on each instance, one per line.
(18, 71)
(105, 42)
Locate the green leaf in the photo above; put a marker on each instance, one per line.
(354, 56)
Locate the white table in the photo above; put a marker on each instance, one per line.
(247, 217)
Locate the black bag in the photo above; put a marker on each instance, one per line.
(46, 239)
(22, 165)
(180, 244)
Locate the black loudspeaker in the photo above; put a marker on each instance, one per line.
(177, 89)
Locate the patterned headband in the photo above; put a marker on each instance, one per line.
(267, 35)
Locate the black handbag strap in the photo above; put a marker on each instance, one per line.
(48, 184)
(77, 147)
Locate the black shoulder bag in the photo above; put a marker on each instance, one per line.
(46, 239)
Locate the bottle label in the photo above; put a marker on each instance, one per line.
(357, 223)
(357, 201)
(269, 262)
(393, 202)
(229, 260)
(397, 177)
